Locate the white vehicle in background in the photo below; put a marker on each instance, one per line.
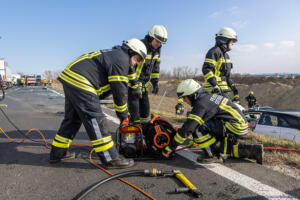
(283, 124)
(5, 73)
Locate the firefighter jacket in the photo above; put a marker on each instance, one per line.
(148, 69)
(217, 69)
(251, 101)
(179, 109)
(206, 106)
(101, 73)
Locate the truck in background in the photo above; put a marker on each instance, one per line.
(31, 80)
(5, 73)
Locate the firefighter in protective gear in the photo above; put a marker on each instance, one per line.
(23, 82)
(216, 123)
(87, 79)
(179, 107)
(217, 65)
(147, 72)
(251, 99)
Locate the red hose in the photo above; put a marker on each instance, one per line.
(283, 149)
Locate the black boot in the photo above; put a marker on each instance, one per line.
(251, 151)
(111, 159)
(206, 158)
(59, 154)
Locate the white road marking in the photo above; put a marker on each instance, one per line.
(245, 181)
(58, 93)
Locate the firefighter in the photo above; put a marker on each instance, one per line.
(50, 82)
(179, 107)
(147, 71)
(216, 124)
(87, 79)
(23, 82)
(251, 99)
(217, 65)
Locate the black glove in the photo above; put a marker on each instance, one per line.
(137, 92)
(155, 88)
(217, 90)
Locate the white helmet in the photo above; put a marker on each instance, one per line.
(227, 33)
(187, 87)
(137, 46)
(159, 33)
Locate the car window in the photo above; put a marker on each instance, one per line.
(293, 122)
(283, 123)
(268, 120)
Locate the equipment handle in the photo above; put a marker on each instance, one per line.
(182, 189)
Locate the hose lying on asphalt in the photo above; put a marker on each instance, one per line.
(83, 193)
(90, 158)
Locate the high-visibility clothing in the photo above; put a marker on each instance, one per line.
(101, 73)
(146, 71)
(251, 101)
(208, 106)
(217, 70)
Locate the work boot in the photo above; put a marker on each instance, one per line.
(119, 163)
(252, 151)
(204, 158)
(54, 159)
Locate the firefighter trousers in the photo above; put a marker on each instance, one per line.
(139, 109)
(83, 108)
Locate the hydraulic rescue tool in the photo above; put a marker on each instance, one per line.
(152, 172)
(150, 139)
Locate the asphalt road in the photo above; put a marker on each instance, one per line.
(26, 174)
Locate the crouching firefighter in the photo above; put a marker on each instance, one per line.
(215, 123)
(90, 77)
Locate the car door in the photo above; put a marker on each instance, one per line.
(288, 128)
(268, 125)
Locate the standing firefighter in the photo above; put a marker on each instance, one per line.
(90, 77)
(179, 108)
(217, 65)
(147, 71)
(215, 123)
(251, 99)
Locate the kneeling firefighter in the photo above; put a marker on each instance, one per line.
(90, 77)
(216, 123)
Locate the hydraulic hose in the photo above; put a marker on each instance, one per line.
(85, 192)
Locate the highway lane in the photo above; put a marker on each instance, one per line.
(26, 174)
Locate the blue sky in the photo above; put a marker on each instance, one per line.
(47, 35)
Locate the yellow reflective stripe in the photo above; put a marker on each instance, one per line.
(196, 118)
(85, 56)
(235, 130)
(156, 57)
(60, 145)
(139, 69)
(120, 108)
(208, 75)
(101, 141)
(145, 118)
(103, 89)
(203, 138)
(232, 111)
(225, 145)
(77, 77)
(118, 78)
(148, 56)
(208, 60)
(133, 86)
(62, 139)
(179, 139)
(236, 95)
(77, 84)
(104, 147)
(207, 143)
(132, 76)
(236, 151)
(155, 75)
(218, 66)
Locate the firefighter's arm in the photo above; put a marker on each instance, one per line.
(134, 85)
(155, 73)
(208, 67)
(118, 82)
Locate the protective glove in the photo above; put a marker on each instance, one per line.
(191, 144)
(236, 99)
(155, 88)
(217, 90)
(168, 151)
(137, 92)
(125, 122)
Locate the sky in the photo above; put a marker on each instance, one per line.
(44, 35)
